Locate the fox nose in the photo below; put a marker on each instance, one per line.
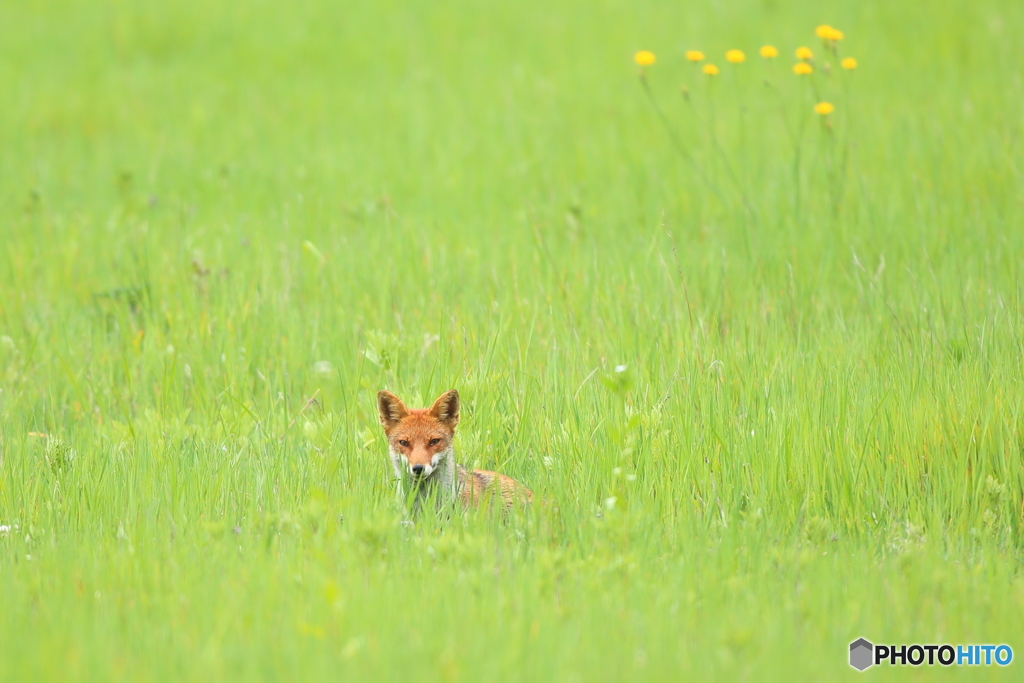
(417, 470)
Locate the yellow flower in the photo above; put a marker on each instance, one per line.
(826, 32)
(710, 69)
(768, 52)
(804, 53)
(695, 55)
(735, 56)
(644, 58)
(802, 68)
(849, 63)
(824, 108)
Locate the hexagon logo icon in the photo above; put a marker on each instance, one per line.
(861, 654)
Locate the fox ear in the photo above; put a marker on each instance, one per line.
(446, 408)
(391, 409)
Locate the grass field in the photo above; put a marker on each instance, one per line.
(766, 368)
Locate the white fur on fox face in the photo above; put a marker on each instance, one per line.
(400, 461)
(439, 457)
(435, 461)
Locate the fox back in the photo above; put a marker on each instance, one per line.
(420, 444)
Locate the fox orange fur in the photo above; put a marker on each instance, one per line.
(423, 457)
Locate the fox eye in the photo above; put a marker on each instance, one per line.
(403, 443)
(434, 442)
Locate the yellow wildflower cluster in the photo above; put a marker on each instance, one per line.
(830, 36)
(822, 81)
(804, 54)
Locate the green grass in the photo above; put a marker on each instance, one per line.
(211, 214)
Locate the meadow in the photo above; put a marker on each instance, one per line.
(764, 365)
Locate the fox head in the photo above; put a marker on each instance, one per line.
(421, 438)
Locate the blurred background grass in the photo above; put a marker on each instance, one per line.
(212, 213)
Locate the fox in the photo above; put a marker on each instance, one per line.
(420, 444)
